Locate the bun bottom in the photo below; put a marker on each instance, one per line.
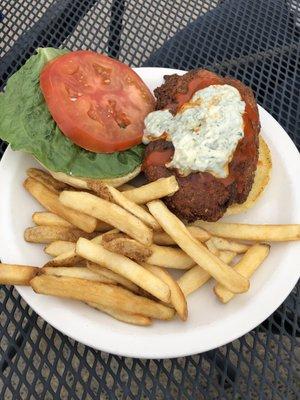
(86, 183)
(261, 179)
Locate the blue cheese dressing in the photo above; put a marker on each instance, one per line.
(205, 132)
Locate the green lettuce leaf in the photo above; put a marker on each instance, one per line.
(27, 125)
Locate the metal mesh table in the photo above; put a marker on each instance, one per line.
(255, 41)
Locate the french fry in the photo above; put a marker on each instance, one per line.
(169, 257)
(134, 319)
(120, 199)
(69, 258)
(227, 256)
(70, 180)
(59, 247)
(47, 180)
(50, 201)
(212, 248)
(198, 233)
(110, 213)
(155, 190)
(11, 274)
(228, 245)
(100, 293)
(177, 299)
(196, 277)
(113, 234)
(101, 190)
(193, 279)
(102, 226)
(224, 255)
(49, 234)
(98, 239)
(268, 233)
(196, 250)
(164, 239)
(125, 267)
(248, 264)
(128, 247)
(76, 272)
(115, 278)
(50, 219)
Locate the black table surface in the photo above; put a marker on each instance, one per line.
(253, 40)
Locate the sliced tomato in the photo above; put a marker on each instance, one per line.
(202, 80)
(158, 157)
(97, 102)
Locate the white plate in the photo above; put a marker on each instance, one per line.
(210, 324)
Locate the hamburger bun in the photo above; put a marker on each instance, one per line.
(87, 183)
(262, 177)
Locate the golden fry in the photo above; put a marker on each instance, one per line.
(76, 272)
(193, 280)
(224, 255)
(177, 299)
(47, 180)
(198, 233)
(268, 233)
(95, 292)
(59, 247)
(199, 253)
(134, 319)
(154, 190)
(196, 277)
(249, 263)
(49, 234)
(123, 266)
(164, 239)
(110, 213)
(227, 256)
(112, 235)
(114, 277)
(228, 245)
(102, 226)
(69, 180)
(212, 248)
(50, 219)
(169, 257)
(128, 247)
(50, 201)
(120, 199)
(70, 258)
(11, 274)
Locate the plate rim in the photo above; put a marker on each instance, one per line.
(191, 346)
